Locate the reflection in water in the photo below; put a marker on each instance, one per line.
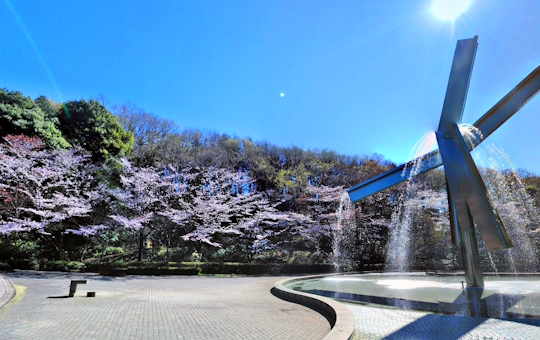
(502, 298)
(414, 284)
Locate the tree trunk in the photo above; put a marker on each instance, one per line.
(85, 249)
(105, 247)
(141, 246)
(198, 247)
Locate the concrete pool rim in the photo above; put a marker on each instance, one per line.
(341, 319)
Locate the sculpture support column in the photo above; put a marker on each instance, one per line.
(470, 254)
(464, 236)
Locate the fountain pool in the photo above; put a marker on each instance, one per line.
(502, 297)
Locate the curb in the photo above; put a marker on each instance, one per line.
(10, 292)
(340, 317)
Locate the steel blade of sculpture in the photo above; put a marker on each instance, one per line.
(467, 194)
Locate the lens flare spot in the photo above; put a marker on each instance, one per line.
(66, 110)
(449, 9)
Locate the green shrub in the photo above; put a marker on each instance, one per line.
(180, 254)
(305, 257)
(24, 248)
(192, 264)
(114, 250)
(172, 254)
(143, 264)
(292, 269)
(76, 266)
(65, 266)
(233, 253)
(271, 256)
(258, 268)
(92, 267)
(213, 268)
(234, 268)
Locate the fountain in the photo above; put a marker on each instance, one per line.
(468, 199)
(469, 204)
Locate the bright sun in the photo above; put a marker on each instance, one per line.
(449, 9)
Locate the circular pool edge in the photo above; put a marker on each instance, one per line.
(341, 319)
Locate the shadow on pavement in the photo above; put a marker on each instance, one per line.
(434, 326)
(437, 327)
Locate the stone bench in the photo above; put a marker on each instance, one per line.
(73, 286)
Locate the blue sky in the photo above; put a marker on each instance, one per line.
(358, 77)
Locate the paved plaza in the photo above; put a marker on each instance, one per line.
(170, 307)
(211, 308)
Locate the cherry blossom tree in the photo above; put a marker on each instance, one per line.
(220, 205)
(320, 205)
(46, 191)
(213, 196)
(145, 193)
(261, 225)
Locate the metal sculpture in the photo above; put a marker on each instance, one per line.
(467, 195)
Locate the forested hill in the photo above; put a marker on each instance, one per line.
(87, 184)
(148, 140)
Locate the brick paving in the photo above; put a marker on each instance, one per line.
(155, 308)
(212, 308)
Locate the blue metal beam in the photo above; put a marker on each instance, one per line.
(395, 176)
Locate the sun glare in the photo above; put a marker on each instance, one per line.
(449, 9)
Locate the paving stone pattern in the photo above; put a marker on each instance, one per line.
(155, 308)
